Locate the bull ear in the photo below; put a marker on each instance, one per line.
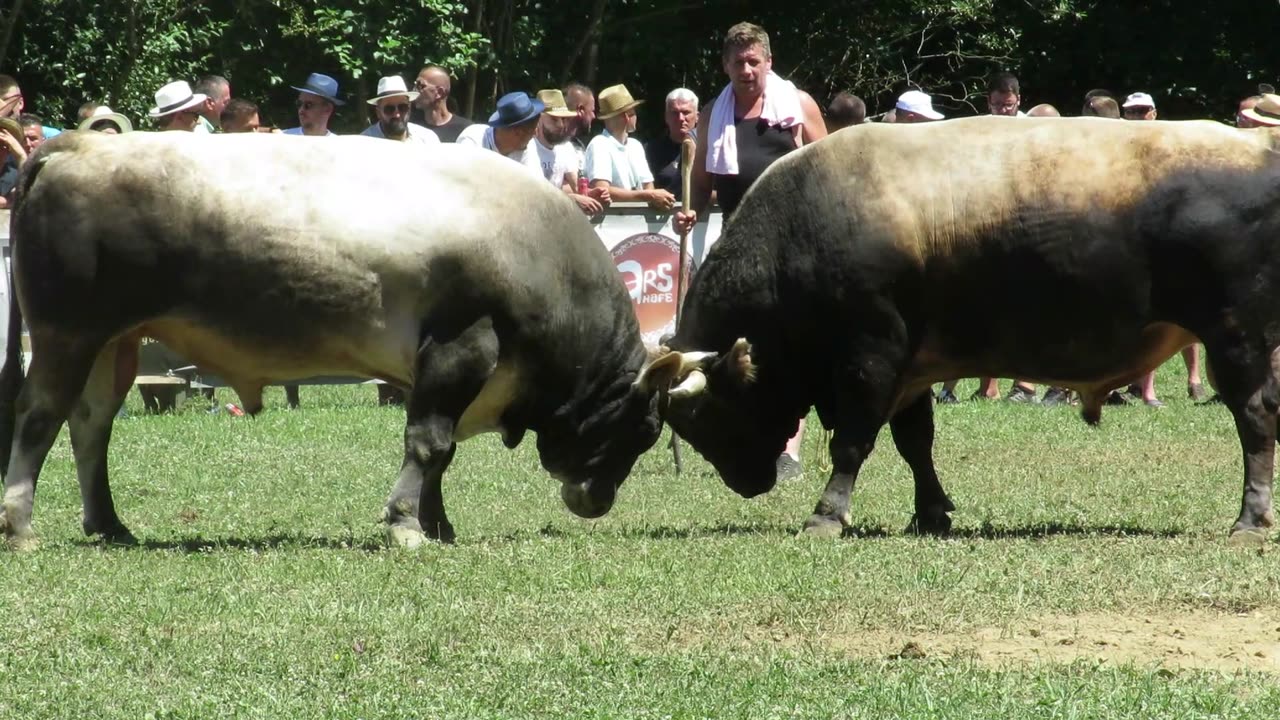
(737, 364)
(661, 372)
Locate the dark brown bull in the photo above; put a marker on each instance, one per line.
(849, 278)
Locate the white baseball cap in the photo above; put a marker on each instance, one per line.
(919, 103)
(1139, 99)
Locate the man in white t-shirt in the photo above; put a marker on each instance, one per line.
(551, 153)
(617, 161)
(317, 101)
(393, 101)
(510, 127)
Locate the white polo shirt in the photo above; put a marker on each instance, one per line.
(623, 165)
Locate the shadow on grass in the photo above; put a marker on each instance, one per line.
(372, 544)
(987, 531)
(264, 543)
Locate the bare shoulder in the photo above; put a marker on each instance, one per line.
(815, 125)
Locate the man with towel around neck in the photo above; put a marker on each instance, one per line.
(758, 118)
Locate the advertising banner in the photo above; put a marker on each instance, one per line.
(646, 250)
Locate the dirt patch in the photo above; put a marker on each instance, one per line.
(1199, 640)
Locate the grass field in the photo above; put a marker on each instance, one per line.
(1088, 577)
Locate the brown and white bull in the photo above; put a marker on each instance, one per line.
(448, 271)
(849, 276)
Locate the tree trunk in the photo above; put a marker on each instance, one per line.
(473, 75)
(590, 34)
(10, 22)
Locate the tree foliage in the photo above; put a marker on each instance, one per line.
(1197, 59)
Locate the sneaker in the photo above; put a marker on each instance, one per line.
(1019, 394)
(1196, 392)
(1215, 400)
(1056, 396)
(788, 468)
(946, 397)
(1153, 403)
(1116, 398)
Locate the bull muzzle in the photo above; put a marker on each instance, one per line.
(590, 499)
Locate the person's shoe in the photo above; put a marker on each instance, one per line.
(946, 397)
(1135, 391)
(1215, 400)
(1153, 403)
(788, 468)
(1019, 394)
(1056, 396)
(1196, 392)
(1116, 398)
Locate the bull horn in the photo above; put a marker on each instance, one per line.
(692, 385)
(669, 368)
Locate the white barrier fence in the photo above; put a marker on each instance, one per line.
(643, 242)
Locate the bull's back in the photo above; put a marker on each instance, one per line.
(232, 222)
(292, 242)
(1025, 247)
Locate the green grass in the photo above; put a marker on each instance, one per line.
(261, 588)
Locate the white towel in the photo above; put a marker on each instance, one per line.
(781, 108)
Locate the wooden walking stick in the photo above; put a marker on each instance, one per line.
(686, 168)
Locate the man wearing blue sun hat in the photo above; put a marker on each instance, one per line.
(510, 128)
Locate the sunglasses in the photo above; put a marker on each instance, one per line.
(394, 109)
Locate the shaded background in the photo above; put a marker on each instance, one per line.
(1195, 60)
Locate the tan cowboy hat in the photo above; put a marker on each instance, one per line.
(615, 100)
(555, 104)
(1265, 112)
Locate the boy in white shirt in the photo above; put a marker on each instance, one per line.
(617, 161)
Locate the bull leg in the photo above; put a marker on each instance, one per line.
(90, 427)
(58, 373)
(912, 429)
(850, 447)
(1251, 393)
(863, 399)
(448, 377)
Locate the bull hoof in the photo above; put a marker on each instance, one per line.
(407, 538)
(930, 523)
(1249, 537)
(440, 532)
(112, 534)
(22, 541)
(122, 537)
(821, 526)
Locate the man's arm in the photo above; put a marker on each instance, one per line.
(587, 204)
(815, 128)
(657, 199)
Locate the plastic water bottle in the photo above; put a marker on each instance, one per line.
(582, 185)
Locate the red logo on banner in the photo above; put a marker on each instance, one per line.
(648, 264)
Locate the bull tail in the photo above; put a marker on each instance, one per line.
(12, 374)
